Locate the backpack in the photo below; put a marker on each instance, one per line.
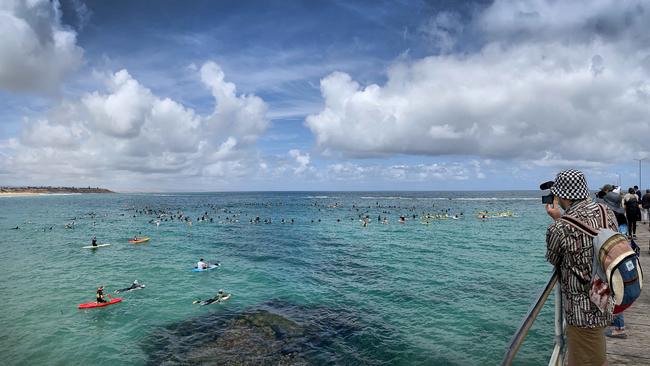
(615, 268)
(635, 247)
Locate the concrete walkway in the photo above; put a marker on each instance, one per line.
(634, 349)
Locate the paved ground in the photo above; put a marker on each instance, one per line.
(634, 349)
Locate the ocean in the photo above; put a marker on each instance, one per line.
(324, 289)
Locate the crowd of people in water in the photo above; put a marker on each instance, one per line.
(363, 214)
(360, 214)
(211, 213)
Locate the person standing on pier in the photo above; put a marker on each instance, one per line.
(645, 205)
(632, 212)
(570, 250)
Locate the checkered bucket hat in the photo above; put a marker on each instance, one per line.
(570, 184)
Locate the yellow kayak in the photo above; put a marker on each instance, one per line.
(138, 241)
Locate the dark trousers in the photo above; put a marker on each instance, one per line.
(631, 227)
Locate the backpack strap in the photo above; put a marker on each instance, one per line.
(578, 224)
(575, 223)
(587, 229)
(572, 221)
(603, 215)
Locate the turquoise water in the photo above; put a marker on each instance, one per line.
(451, 292)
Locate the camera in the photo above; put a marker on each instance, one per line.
(548, 199)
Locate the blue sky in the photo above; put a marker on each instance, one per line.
(322, 95)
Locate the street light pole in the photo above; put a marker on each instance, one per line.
(640, 160)
(639, 172)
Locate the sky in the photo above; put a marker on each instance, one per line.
(323, 95)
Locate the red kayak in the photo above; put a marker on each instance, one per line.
(90, 305)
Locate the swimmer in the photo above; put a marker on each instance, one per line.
(134, 286)
(219, 297)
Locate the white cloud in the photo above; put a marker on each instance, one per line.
(240, 115)
(82, 13)
(399, 173)
(561, 79)
(43, 134)
(129, 130)
(36, 50)
(122, 112)
(301, 159)
(442, 30)
(549, 160)
(565, 21)
(477, 169)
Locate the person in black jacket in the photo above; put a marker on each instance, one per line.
(645, 205)
(632, 212)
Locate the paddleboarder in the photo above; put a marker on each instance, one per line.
(201, 264)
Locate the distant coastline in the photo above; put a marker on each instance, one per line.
(35, 191)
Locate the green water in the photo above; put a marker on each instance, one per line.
(450, 293)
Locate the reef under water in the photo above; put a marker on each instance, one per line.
(272, 333)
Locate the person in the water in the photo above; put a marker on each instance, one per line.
(134, 286)
(219, 297)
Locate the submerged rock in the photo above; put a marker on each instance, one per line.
(274, 333)
(254, 339)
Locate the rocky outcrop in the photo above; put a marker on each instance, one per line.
(48, 189)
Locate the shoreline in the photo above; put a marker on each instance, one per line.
(20, 194)
(7, 191)
(31, 194)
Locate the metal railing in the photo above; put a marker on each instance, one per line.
(558, 350)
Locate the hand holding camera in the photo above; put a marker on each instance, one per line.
(550, 200)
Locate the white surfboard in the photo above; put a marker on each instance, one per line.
(96, 246)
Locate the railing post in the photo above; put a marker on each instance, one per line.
(557, 357)
(528, 321)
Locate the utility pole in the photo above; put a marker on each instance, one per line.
(639, 160)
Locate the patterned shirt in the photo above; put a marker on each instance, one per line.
(571, 250)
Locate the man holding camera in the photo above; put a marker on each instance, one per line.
(571, 251)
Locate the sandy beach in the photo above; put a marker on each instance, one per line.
(20, 194)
